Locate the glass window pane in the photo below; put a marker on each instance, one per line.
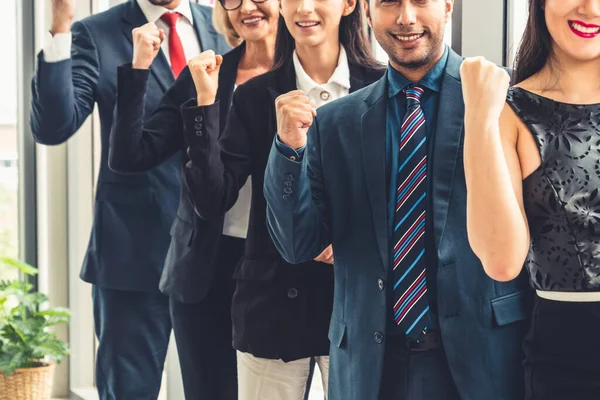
(9, 177)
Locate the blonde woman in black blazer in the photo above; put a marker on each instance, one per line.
(280, 311)
(202, 254)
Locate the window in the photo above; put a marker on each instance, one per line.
(9, 173)
(516, 25)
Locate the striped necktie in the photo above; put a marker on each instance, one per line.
(410, 305)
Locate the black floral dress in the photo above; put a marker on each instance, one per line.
(562, 204)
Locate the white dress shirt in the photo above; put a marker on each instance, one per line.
(337, 86)
(58, 47)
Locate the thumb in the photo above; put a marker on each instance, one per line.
(219, 59)
(161, 35)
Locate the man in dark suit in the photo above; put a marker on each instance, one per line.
(381, 178)
(133, 213)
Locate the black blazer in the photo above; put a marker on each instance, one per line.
(280, 311)
(133, 213)
(138, 144)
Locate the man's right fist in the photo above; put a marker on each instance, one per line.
(62, 15)
(146, 45)
(295, 113)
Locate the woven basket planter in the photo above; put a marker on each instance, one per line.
(27, 384)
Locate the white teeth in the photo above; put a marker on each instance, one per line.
(252, 20)
(583, 29)
(408, 38)
(307, 24)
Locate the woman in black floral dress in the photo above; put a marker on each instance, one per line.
(532, 162)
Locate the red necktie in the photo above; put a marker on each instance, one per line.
(176, 53)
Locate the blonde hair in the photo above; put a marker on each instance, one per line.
(223, 25)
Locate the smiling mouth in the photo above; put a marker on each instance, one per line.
(584, 30)
(253, 20)
(409, 38)
(307, 24)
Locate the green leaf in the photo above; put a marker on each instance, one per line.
(55, 312)
(53, 348)
(20, 265)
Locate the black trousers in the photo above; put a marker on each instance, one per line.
(415, 375)
(203, 333)
(562, 351)
(133, 330)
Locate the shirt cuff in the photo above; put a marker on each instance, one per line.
(58, 47)
(288, 152)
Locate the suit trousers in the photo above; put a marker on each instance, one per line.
(203, 333)
(265, 379)
(133, 330)
(415, 375)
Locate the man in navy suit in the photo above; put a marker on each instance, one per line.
(133, 213)
(379, 174)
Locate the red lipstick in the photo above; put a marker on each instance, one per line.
(585, 35)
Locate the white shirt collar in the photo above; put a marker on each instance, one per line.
(341, 75)
(153, 12)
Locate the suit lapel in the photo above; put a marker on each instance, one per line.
(447, 143)
(133, 17)
(227, 77)
(373, 125)
(206, 38)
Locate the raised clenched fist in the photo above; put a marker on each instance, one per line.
(146, 45)
(63, 12)
(484, 86)
(295, 114)
(205, 73)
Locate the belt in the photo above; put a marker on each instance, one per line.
(431, 340)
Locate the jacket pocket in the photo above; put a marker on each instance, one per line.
(256, 269)
(337, 332)
(510, 308)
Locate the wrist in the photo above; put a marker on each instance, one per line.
(60, 27)
(295, 144)
(140, 64)
(205, 100)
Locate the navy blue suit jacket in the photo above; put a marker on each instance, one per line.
(132, 213)
(339, 196)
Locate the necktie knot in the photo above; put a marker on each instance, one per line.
(170, 18)
(414, 94)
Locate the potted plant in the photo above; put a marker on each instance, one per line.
(28, 351)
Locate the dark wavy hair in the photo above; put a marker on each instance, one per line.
(535, 49)
(353, 36)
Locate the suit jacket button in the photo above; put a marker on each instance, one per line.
(292, 293)
(286, 197)
(198, 118)
(198, 126)
(380, 284)
(289, 177)
(287, 190)
(378, 337)
(199, 133)
(287, 183)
